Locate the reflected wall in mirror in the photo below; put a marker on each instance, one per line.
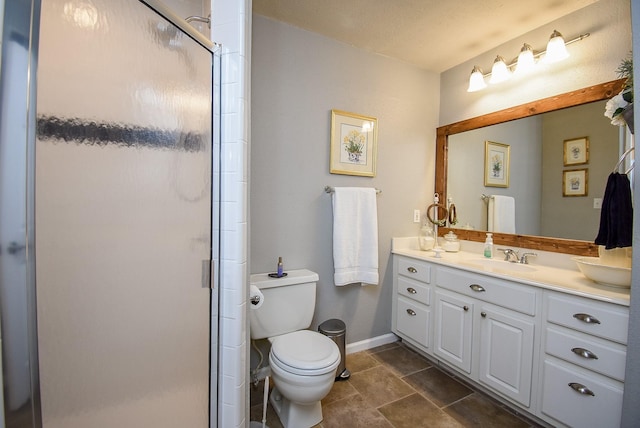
(545, 220)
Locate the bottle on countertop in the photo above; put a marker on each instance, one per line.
(280, 270)
(426, 239)
(488, 246)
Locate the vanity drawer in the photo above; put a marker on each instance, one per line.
(414, 290)
(503, 293)
(413, 320)
(415, 269)
(569, 406)
(604, 357)
(597, 318)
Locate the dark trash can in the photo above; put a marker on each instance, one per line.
(335, 330)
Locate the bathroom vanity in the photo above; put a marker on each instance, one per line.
(540, 337)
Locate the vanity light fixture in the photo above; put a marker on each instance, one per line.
(476, 81)
(501, 71)
(526, 60)
(556, 48)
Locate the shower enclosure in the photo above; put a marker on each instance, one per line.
(109, 213)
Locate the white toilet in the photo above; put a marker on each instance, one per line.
(303, 362)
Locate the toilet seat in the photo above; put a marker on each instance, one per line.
(305, 352)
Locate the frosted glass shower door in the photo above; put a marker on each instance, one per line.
(123, 218)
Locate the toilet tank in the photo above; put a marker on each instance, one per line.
(288, 305)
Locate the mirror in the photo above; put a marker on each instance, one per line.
(529, 238)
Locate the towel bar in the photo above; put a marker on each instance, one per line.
(330, 189)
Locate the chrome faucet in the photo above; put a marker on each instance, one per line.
(524, 259)
(512, 256)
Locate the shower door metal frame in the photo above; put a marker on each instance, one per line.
(21, 26)
(181, 23)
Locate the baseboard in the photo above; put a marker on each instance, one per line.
(373, 342)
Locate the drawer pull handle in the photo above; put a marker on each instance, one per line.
(483, 314)
(477, 287)
(411, 312)
(411, 290)
(581, 389)
(412, 269)
(584, 353)
(466, 308)
(589, 319)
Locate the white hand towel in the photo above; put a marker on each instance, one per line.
(355, 235)
(502, 214)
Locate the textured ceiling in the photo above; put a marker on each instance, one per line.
(432, 34)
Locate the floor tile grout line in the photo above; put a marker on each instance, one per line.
(394, 373)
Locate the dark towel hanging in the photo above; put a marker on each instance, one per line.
(616, 217)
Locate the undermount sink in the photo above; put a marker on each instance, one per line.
(499, 266)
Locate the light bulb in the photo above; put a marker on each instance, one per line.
(476, 80)
(526, 60)
(500, 72)
(556, 48)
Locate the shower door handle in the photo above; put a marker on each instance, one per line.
(207, 273)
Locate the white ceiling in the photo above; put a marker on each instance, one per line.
(432, 34)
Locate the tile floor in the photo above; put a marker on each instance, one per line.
(393, 386)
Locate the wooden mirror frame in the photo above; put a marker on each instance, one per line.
(582, 96)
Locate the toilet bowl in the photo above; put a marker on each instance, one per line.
(303, 362)
(303, 366)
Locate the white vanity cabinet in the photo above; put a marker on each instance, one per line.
(412, 315)
(584, 361)
(487, 328)
(556, 355)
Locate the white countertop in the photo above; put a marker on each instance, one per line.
(553, 271)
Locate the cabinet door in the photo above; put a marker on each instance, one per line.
(506, 353)
(413, 320)
(454, 316)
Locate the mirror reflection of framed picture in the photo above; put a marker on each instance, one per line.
(496, 164)
(576, 151)
(575, 182)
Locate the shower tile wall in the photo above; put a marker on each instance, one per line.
(231, 27)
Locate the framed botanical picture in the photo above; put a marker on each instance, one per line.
(496, 164)
(576, 151)
(575, 182)
(353, 144)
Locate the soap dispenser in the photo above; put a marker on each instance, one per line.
(488, 246)
(280, 267)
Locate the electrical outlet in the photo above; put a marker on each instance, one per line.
(416, 216)
(597, 203)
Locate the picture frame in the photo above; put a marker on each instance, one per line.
(496, 164)
(354, 144)
(576, 151)
(575, 182)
